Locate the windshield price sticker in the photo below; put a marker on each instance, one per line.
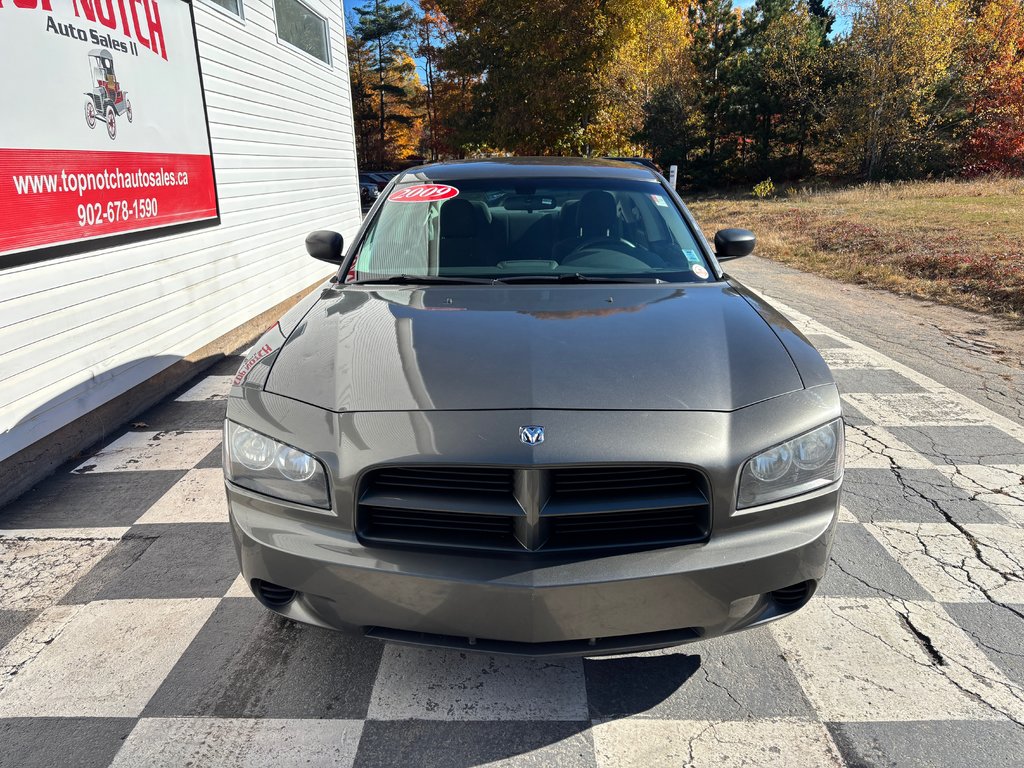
(423, 193)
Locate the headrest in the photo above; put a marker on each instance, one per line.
(459, 218)
(597, 214)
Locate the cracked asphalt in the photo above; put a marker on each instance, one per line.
(127, 638)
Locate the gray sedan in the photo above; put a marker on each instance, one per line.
(530, 414)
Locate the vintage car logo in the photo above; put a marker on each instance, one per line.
(531, 434)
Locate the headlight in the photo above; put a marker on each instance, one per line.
(264, 465)
(812, 460)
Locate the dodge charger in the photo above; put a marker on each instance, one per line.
(531, 414)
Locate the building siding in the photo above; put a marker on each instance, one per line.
(78, 331)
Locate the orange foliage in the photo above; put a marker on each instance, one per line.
(995, 63)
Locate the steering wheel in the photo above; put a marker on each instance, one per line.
(616, 244)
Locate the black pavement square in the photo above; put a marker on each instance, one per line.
(437, 744)
(249, 662)
(107, 571)
(83, 742)
(967, 444)
(213, 460)
(12, 622)
(192, 414)
(912, 496)
(930, 744)
(853, 417)
(873, 380)
(182, 560)
(734, 677)
(861, 567)
(999, 632)
(106, 499)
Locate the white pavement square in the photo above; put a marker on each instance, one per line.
(107, 661)
(1001, 486)
(209, 388)
(872, 447)
(243, 743)
(422, 683)
(955, 568)
(676, 743)
(843, 359)
(857, 660)
(197, 498)
(142, 451)
(36, 573)
(919, 409)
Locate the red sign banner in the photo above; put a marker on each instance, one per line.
(68, 195)
(111, 135)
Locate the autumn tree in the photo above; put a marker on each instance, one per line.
(993, 89)
(778, 85)
(381, 30)
(649, 52)
(364, 109)
(449, 80)
(533, 68)
(687, 121)
(894, 115)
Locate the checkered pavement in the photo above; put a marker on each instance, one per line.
(127, 638)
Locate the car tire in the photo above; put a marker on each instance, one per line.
(111, 122)
(90, 114)
(128, 110)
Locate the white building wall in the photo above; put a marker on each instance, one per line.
(80, 330)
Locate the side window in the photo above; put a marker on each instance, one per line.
(234, 7)
(301, 27)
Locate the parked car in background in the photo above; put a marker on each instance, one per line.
(369, 191)
(531, 414)
(380, 178)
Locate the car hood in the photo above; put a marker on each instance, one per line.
(602, 347)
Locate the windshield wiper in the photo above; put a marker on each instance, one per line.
(576, 277)
(424, 280)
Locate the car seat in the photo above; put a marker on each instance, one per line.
(463, 240)
(596, 218)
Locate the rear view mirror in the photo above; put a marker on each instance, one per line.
(325, 245)
(734, 243)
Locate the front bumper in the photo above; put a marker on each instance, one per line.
(535, 605)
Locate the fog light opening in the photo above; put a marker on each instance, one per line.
(792, 597)
(272, 595)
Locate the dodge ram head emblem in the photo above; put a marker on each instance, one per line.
(531, 434)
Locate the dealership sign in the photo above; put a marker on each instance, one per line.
(108, 135)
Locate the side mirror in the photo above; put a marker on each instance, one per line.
(325, 246)
(734, 243)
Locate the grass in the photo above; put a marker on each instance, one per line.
(959, 243)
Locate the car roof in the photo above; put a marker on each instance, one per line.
(528, 167)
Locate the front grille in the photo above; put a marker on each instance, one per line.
(455, 480)
(398, 526)
(625, 529)
(559, 509)
(611, 480)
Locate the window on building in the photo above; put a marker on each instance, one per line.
(307, 31)
(231, 6)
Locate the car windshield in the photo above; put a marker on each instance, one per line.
(523, 229)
